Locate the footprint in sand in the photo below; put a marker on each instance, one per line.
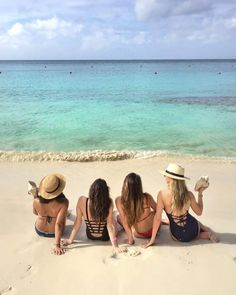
(5, 290)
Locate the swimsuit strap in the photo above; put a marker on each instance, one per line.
(147, 207)
(87, 209)
(145, 217)
(92, 225)
(87, 219)
(179, 219)
(48, 218)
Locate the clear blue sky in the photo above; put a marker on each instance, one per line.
(117, 29)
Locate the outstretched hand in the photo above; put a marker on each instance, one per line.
(148, 244)
(66, 242)
(57, 250)
(120, 249)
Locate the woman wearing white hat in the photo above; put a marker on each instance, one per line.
(176, 201)
(51, 209)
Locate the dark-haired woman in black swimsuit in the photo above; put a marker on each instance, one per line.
(97, 211)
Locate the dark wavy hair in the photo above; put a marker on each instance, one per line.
(100, 200)
(132, 198)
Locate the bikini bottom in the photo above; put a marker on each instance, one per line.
(44, 234)
(146, 234)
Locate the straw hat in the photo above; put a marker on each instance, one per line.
(52, 186)
(174, 171)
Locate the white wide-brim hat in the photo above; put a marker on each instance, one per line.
(174, 171)
(52, 186)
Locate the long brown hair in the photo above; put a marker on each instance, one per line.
(180, 193)
(132, 198)
(100, 200)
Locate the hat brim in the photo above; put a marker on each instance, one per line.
(173, 176)
(49, 196)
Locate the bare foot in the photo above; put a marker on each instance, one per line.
(213, 237)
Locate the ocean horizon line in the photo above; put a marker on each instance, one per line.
(125, 60)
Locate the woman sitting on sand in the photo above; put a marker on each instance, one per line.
(136, 209)
(176, 201)
(97, 211)
(51, 208)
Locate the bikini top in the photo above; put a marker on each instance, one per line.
(48, 218)
(147, 207)
(94, 226)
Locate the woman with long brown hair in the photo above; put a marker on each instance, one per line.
(176, 201)
(97, 211)
(136, 209)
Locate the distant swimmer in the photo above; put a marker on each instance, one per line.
(219, 73)
(155, 73)
(45, 67)
(70, 72)
(0, 72)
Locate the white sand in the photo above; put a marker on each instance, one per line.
(200, 267)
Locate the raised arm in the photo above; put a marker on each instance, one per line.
(34, 207)
(59, 227)
(77, 223)
(156, 220)
(124, 221)
(197, 205)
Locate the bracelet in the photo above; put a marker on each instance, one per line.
(114, 239)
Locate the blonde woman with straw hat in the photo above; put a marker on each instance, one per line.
(176, 201)
(51, 207)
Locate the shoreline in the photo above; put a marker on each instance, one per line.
(103, 155)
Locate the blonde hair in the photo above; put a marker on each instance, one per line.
(132, 198)
(180, 194)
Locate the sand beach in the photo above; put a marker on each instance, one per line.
(198, 267)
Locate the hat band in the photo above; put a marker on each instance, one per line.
(174, 174)
(50, 192)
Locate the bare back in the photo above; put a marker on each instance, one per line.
(48, 214)
(165, 200)
(146, 219)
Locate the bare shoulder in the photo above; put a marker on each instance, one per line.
(118, 200)
(36, 201)
(147, 195)
(111, 206)
(66, 202)
(162, 193)
(82, 200)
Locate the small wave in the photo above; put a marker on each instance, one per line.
(97, 155)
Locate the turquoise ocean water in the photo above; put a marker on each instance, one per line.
(132, 108)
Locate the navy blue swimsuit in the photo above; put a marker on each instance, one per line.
(184, 228)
